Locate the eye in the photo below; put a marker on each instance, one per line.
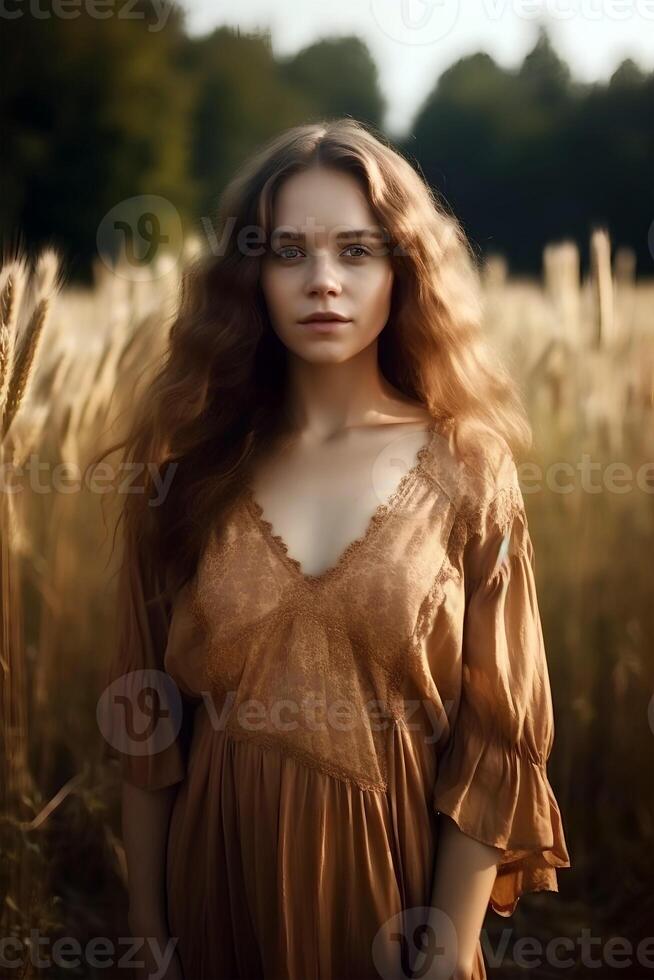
(286, 249)
(282, 253)
(361, 249)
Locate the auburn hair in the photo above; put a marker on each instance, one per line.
(216, 402)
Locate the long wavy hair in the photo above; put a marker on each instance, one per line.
(217, 401)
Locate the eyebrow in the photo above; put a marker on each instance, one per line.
(296, 236)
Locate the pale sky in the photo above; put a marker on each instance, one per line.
(413, 41)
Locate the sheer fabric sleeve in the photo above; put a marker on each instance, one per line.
(145, 717)
(492, 773)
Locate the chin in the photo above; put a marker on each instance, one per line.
(322, 351)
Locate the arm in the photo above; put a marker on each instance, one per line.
(463, 879)
(142, 700)
(145, 820)
(501, 833)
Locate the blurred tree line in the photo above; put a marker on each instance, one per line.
(99, 109)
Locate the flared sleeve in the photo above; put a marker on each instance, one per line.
(145, 718)
(492, 772)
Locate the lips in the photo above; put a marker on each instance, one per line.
(324, 317)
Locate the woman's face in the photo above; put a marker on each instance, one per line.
(317, 263)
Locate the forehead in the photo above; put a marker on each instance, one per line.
(321, 201)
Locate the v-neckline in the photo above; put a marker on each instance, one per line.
(377, 518)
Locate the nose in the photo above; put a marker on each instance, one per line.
(322, 277)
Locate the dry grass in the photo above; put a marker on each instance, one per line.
(69, 361)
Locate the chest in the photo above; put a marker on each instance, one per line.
(270, 626)
(319, 503)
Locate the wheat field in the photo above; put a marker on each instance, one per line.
(582, 349)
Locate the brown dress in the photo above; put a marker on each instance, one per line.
(318, 725)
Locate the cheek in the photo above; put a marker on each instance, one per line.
(275, 291)
(376, 288)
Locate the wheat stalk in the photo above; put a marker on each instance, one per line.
(46, 275)
(12, 287)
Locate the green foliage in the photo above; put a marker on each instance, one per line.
(240, 100)
(528, 156)
(340, 78)
(100, 110)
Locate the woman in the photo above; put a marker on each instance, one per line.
(351, 763)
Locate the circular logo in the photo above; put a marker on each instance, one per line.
(400, 460)
(415, 21)
(416, 942)
(141, 712)
(141, 238)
